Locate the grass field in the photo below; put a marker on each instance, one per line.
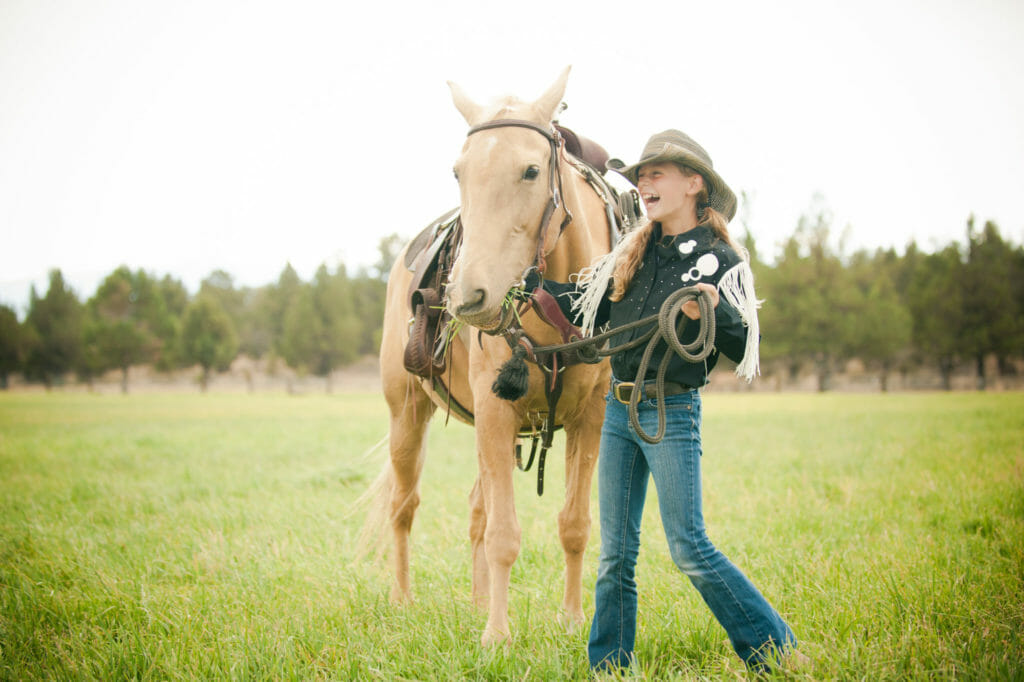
(213, 537)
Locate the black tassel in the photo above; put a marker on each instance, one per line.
(513, 377)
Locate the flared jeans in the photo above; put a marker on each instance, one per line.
(626, 462)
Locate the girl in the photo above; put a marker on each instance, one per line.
(684, 243)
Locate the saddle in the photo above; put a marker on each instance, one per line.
(584, 149)
(429, 257)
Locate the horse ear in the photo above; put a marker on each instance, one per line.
(469, 109)
(547, 105)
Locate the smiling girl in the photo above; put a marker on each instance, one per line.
(685, 243)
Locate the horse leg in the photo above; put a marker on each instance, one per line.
(582, 443)
(409, 421)
(495, 436)
(477, 526)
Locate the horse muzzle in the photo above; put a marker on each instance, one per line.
(477, 310)
(489, 322)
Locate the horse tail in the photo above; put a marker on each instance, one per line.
(375, 502)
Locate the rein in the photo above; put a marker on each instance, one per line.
(665, 325)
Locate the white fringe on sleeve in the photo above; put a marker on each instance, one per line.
(737, 286)
(593, 281)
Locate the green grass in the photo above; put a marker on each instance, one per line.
(211, 536)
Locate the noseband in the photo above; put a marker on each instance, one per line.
(554, 178)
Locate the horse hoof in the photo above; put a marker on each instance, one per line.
(493, 637)
(400, 597)
(571, 620)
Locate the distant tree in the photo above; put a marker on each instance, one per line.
(1017, 282)
(811, 305)
(321, 330)
(174, 295)
(158, 312)
(175, 300)
(92, 362)
(334, 296)
(281, 297)
(255, 324)
(54, 331)
(301, 329)
(368, 295)
(991, 320)
(246, 307)
(12, 344)
(369, 290)
(936, 301)
(127, 320)
(220, 286)
(883, 327)
(208, 337)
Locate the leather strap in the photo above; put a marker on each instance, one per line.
(554, 178)
(624, 390)
(511, 123)
(550, 312)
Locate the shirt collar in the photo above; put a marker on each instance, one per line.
(696, 240)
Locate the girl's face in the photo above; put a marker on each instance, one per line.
(669, 195)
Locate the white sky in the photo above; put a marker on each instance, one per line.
(191, 135)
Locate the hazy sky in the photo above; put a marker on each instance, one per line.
(186, 136)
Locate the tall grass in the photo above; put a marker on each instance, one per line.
(188, 536)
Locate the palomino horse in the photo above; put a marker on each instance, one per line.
(506, 188)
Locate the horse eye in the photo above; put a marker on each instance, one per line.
(456, 174)
(531, 173)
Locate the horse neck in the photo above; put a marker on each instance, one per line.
(586, 237)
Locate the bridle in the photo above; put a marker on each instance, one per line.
(509, 326)
(554, 179)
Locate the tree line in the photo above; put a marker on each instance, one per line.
(896, 312)
(947, 309)
(136, 318)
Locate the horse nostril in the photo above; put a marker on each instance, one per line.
(473, 302)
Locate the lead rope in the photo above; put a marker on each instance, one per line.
(668, 327)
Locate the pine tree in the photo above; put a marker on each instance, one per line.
(54, 331)
(208, 337)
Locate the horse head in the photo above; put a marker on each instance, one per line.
(507, 181)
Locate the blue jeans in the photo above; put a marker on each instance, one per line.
(625, 462)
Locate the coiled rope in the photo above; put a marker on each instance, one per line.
(666, 326)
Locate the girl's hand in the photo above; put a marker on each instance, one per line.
(692, 310)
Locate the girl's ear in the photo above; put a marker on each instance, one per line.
(696, 184)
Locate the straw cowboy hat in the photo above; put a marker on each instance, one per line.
(673, 145)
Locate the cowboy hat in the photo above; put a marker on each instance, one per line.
(676, 146)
